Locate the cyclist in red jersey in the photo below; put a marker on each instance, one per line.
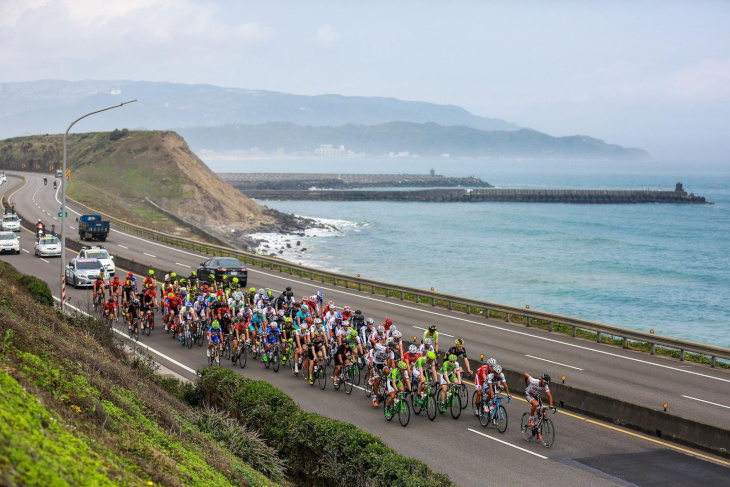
(480, 378)
(110, 308)
(388, 323)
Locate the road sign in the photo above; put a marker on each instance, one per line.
(68, 173)
(59, 214)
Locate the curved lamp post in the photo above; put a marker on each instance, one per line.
(63, 203)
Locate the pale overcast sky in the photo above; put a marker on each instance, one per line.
(654, 75)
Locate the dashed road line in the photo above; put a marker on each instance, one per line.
(707, 402)
(44, 260)
(26, 251)
(508, 444)
(122, 246)
(556, 363)
(150, 255)
(184, 265)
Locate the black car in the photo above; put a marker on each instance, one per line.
(223, 266)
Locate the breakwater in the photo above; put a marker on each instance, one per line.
(305, 181)
(678, 196)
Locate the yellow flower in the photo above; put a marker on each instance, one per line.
(76, 408)
(150, 482)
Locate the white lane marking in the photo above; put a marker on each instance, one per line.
(508, 444)
(153, 256)
(72, 228)
(557, 363)
(122, 246)
(182, 366)
(26, 251)
(184, 265)
(44, 260)
(708, 402)
(440, 333)
(487, 325)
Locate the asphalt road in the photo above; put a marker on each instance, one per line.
(457, 448)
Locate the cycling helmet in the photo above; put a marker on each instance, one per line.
(288, 319)
(215, 325)
(288, 288)
(348, 309)
(397, 334)
(252, 290)
(238, 295)
(260, 312)
(452, 358)
(273, 325)
(235, 279)
(358, 312)
(310, 320)
(281, 312)
(459, 341)
(381, 329)
(173, 275)
(392, 345)
(431, 355)
(303, 327)
(317, 333)
(261, 291)
(193, 273)
(338, 316)
(331, 307)
(170, 295)
(492, 362)
(545, 377)
(432, 328)
(428, 342)
(317, 321)
(370, 321)
(268, 293)
(388, 321)
(188, 304)
(151, 272)
(129, 275)
(353, 333)
(413, 349)
(402, 365)
(305, 307)
(111, 299)
(225, 277)
(201, 298)
(211, 276)
(497, 369)
(313, 298)
(320, 294)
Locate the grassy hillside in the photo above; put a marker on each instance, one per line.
(116, 171)
(76, 410)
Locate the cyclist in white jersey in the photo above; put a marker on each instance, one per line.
(534, 387)
(495, 379)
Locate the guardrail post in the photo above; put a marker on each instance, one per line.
(626, 343)
(321, 278)
(681, 355)
(359, 286)
(401, 295)
(451, 305)
(712, 361)
(372, 289)
(506, 317)
(418, 298)
(387, 293)
(573, 331)
(652, 349)
(598, 337)
(528, 322)
(486, 313)
(311, 277)
(550, 327)
(291, 271)
(433, 301)
(468, 309)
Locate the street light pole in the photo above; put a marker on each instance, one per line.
(63, 204)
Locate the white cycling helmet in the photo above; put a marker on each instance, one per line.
(393, 329)
(305, 307)
(428, 342)
(381, 329)
(370, 321)
(317, 321)
(396, 334)
(497, 369)
(261, 291)
(413, 349)
(492, 362)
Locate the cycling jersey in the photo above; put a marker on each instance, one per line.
(448, 368)
(533, 388)
(342, 351)
(457, 352)
(411, 358)
(109, 307)
(273, 335)
(480, 376)
(396, 375)
(434, 336)
(256, 322)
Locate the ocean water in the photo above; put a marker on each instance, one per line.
(661, 267)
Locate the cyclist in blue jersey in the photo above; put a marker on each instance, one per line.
(273, 335)
(215, 335)
(256, 324)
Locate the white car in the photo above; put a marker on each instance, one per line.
(11, 222)
(82, 272)
(100, 253)
(9, 242)
(48, 246)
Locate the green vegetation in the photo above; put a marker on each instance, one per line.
(38, 289)
(318, 451)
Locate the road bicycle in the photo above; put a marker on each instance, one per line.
(400, 407)
(273, 356)
(240, 355)
(347, 377)
(543, 428)
(380, 393)
(496, 415)
(133, 329)
(215, 356)
(425, 400)
(452, 401)
(319, 372)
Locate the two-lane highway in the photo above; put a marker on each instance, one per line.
(583, 449)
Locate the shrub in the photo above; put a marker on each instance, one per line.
(38, 289)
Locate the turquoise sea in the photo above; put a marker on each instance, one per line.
(661, 267)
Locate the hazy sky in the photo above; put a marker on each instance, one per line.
(654, 75)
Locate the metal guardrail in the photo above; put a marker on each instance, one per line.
(435, 299)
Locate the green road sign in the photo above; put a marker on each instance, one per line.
(59, 214)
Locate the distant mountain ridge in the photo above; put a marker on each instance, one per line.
(48, 106)
(427, 139)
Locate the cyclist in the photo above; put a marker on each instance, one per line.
(189, 316)
(433, 335)
(302, 315)
(256, 325)
(378, 336)
(459, 350)
(110, 309)
(99, 289)
(273, 335)
(480, 378)
(287, 335)
(410, 358)
(317, 347)
(395, 338)
(388, 323)
(533, 388)
(494, 380)
(115, 288)
(346, 313)
(426, 346)
(367, 331)
(132, 313)
(342, 357)
(450, 374)
(215, 336)
(146, 308)
(201, 308)
(422, 367)
(239, 335)
(379, 356)
(301, 338)
(396, 378)
(172, 306)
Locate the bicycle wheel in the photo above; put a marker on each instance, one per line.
(474, 405)
(360, 362)
(227, 349)
(463, 395)
(200, 338)
(242, 356)
(275, 360)
(525, 427)
(322, 379)
(387, 409)
(266, 356)
(147, 328)
(348, 381)
(404, 412)
(417, 403)
(455, 406)
(189, 340)
(430, 407)
(368, 388)
(500, 419)
(355, 374)
(210, 359)
(548, 432)
(336, 383)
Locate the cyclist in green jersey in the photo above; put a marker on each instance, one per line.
(423, 366)
(450, 373)
(433, 335)
(395, 381)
